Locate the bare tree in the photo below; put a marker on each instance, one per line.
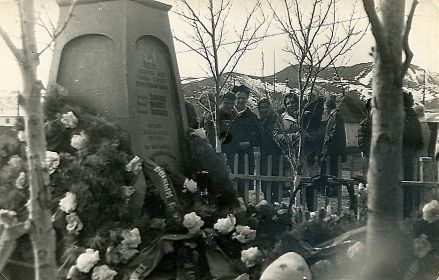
(318, 39)
(39, 222)
(219, 45)
(384, 236)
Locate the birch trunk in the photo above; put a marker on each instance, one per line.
(384, 234)
(41, 230)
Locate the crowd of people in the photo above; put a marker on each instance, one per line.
(320, 134)
(241, 130)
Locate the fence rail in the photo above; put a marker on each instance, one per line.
(349, 174)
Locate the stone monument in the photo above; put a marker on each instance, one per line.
(118, 57)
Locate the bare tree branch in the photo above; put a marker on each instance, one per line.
(405, 42)
(61, 27)
(15, 51)
(377, 28)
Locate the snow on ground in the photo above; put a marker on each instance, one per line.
(366, 79)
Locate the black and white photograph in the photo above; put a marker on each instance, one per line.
(219, 139)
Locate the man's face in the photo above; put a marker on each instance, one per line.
(241, 100)
(227, 105)
(264, 110)
(292, 106)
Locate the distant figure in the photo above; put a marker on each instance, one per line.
(245, 131)
(334, 145)
(412, 138)
(365, 131)
(267, 121)
(411, 148)
(226, 115)
(429, 132)
(286, 130)
(314, 130)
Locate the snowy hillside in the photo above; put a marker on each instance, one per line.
(355, 80)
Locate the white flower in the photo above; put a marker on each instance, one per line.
(68, 203)
(21, 136)
(356, 250)
(313, 216)
(191, 185)
(74, 224)
(225, 225)
(15, 161)
(135, 165)
(430, 212)
(78, 141)
(251, 256)
(21, 179)
(422, 246)
(8, 217)
(193, 222)
(131, 238)
(69, 120)
(52, 161)
(87, 260)
(244, 234)
(200, 132)
(103, 272)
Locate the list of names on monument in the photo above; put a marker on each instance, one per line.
(154, 104)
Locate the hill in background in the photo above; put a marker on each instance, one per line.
(355, 81)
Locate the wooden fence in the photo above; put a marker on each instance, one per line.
(355, 167)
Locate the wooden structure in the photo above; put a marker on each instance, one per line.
(350, 172)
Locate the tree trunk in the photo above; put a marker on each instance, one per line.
(41, 230)
(384, 235)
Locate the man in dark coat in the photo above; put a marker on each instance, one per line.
(245, 132)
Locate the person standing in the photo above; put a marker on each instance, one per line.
(269, 147)
(411, 148)
(245, 131)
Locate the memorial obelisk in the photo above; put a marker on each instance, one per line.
(118, 57)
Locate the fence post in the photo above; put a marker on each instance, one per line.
(269, 173)
(235, 171)
(281, 174)
(428, 173)
(257, 172)
(246, 181)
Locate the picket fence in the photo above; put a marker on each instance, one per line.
(426, 187)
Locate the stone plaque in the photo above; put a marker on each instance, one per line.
(155, 104)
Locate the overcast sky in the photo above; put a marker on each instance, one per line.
(424, 40)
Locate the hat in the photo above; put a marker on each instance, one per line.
(241, 88)
(228, 95)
